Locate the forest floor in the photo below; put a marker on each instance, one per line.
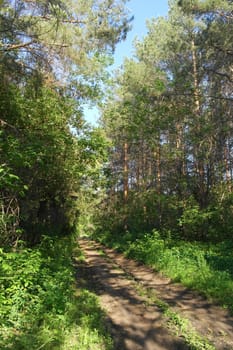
(145, 310)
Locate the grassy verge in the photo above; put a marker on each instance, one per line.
(205, 268)
(40, 307)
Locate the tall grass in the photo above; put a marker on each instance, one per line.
(39, 304)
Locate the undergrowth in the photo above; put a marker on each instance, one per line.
(39, 304)
(207, 268)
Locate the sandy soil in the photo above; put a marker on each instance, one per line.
(134, 324)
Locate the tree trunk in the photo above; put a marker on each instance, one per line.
(126, 173)
(197, 112)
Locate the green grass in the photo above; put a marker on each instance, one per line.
(207, 268)
(41, 305)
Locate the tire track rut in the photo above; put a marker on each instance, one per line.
(135, 325)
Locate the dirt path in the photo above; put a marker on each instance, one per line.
(135, 321)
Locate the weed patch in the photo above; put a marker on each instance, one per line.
(39, 308)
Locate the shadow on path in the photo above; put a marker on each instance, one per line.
(134, 326)
(208, 319)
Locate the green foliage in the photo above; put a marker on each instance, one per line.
(168, 117)
(39, 151)
(194, 222)
(66, 36)
(213, 223)
(47, 71)
(11, 187)
(146, 248)
(39, 307)
(185, 219)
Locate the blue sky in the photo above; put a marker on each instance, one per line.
(141, 10)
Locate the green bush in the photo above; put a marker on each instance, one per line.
(148, 248)
(39, 308)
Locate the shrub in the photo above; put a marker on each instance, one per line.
(38, 305)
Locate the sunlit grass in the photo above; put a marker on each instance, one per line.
(43, 307)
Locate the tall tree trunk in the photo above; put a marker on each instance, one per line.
(158, 166)
(227, 166)
(125, 183)
(126, 173)
(199, 164)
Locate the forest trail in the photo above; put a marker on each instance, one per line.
(129, 292)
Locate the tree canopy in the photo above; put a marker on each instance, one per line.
(52, 59)
(170, 122)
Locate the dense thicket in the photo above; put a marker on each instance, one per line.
(52, 59)
(170, 123)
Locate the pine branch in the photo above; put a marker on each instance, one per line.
(16, 46)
